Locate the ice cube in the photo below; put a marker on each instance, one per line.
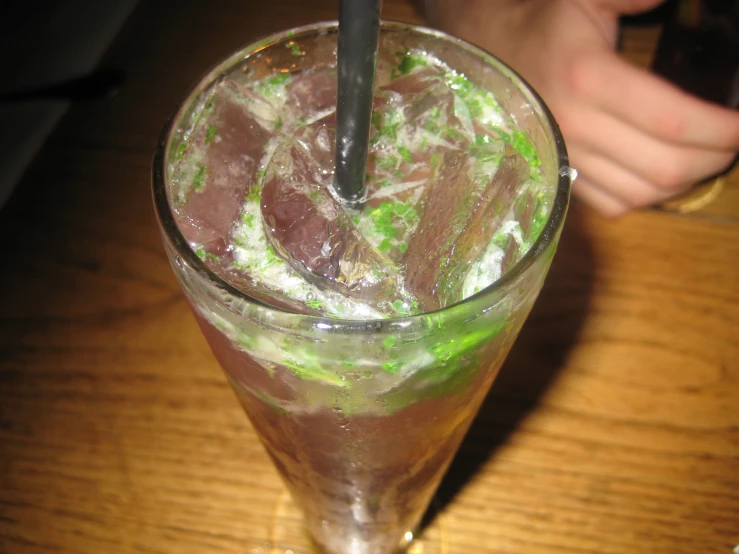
(308, 227)
(219, 163)
(312, 93)
(423, 107)
(414, 123)
(463, 209)
(414, 82)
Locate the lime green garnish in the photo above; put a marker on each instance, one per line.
(294, 48)
(267, 400)
(180, 150)
(311, 370)
(485, 149)
(482, 140)
(255, 192)
(474, 106)
(501, 240)
(248, 220)
(385, 245)
(459, 84)
(387, 212)
(210, 134)
(392, 367)
(390, 130)
(525, 147)
(199, 178)
(383, 221)
(247, 341)
(405, 154)
(271, 85)
(390, 342)
(272, 257)
(389, 219)
(409, 63)
(504, 136)
(462, 344)
(387, 124)
(451, 132)
(315, 304)
(278, 79)
(205, 256)
(377, 274)
(402, 308)
(388, 163)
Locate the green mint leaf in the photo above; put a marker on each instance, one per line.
(199, 179)
(248, 220)
(294, 48)
(315, 304)
(310, 370)
(385, 245)
(210, 134)
(388, 163)
(392, 367)
(525, 147)
(205, 256)
(409, 63)
(405, 154)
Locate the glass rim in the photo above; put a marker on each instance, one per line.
(165, 215)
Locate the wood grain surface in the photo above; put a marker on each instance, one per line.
(613, 428)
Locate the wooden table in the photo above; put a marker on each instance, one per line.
(614, 427)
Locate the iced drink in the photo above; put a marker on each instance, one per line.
(361, 342)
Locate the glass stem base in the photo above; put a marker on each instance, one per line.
(287, 530)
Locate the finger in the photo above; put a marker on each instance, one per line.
(665, 165)
(605, 203)
(654, 105)
(619, 182)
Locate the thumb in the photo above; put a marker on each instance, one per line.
(628, 6)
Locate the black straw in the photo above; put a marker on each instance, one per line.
(359, 24)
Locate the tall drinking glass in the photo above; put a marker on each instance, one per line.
(360, 417)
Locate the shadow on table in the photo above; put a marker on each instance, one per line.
(535, 360)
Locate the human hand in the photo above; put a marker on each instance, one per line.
(634, 138)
